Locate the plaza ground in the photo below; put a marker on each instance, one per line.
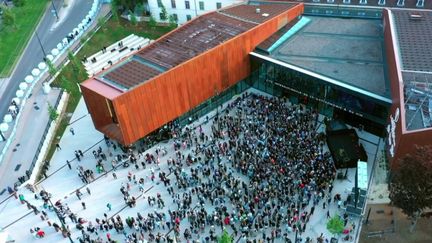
(62, 183)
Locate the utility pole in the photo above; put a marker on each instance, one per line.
(40, 43)
(55, 10)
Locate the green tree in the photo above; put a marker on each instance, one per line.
(19, 3)
(172, 21)
(225, 238)
(115, 9)
(335, 225)
(52, 112)
(152, 22)
(51, 68)
(8, 16)
(164, 13)
(133, 18)
(139, 9)
(410, 183)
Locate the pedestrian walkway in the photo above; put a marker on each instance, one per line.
(62, 183)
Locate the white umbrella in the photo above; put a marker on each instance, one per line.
(12, 108)
(50, 57)
(42, 65)
(7, 118)
(92, 11)
(60, 46)
(81, 26)
(17, 100)
(19, 93)
(76, 30)
(84, 22)
(4, 127)
(65, 41)
(35, 72)
(29, 79)
(23, 86)
(54, 52)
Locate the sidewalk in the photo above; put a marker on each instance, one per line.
(32, 127)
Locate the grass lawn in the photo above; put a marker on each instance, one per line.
(74, 73)
(14, 39)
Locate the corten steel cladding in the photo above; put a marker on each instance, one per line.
(155, 102)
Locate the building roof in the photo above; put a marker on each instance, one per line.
(255, 13)
(427, 4)
(414, 38)
(346, 50)
(130, 74)
(414, 35)
(186, 42)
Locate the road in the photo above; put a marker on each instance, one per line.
(50, 34)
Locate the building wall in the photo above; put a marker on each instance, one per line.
(171, 94)
(181, 11)
(405, 141)
(395, 85)
(97, 107)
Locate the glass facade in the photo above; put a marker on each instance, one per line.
(329, 99)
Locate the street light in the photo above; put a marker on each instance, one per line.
(55, 10)
(40, 44)
(56, 212)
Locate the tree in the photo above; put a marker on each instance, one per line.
(115, 9)
(225, 238)
(53, 114)
(172, 21)
(410, 183)
(152, 22)
(133, 18)
(19, 3)
(164, 13)
(335, 225)
(51, 68)
(8, 16)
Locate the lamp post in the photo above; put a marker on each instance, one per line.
(57, 214)
(40, 44)
(55, 10)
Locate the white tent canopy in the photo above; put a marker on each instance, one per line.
(42, 65)
(4, 127)
(35, 72)
(29, 79)
(7, 118)
(19, 93)
(55, 52)
(50, 57)
(17, 100)
(23, 86)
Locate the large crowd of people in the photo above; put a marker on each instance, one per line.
(257, 170)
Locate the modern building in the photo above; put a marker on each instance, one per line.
(181, 70)
(185, 10)
(371, 69)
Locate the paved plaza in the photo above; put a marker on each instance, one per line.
(191, 172)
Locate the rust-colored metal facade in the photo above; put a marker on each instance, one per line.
(130, 115)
